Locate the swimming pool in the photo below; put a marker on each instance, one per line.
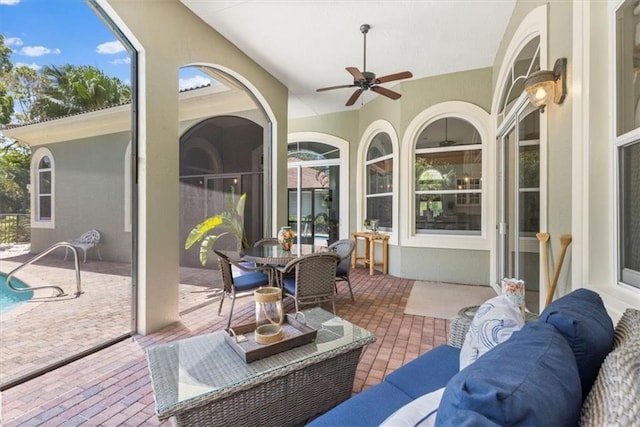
(10, 299)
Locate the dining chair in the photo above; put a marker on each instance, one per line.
(252, 279)
(311, 279)
(344, 248)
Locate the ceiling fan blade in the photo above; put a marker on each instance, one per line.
(355, 73)
(322, 89)
(386, 92)
(353, 98)
(392, 77)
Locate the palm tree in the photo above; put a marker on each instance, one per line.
(73, 89)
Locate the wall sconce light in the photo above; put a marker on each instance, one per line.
(545, 86)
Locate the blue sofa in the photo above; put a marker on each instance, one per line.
(541, 375)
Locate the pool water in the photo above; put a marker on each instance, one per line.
(9, 298)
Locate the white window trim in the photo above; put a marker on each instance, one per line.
(481, 120)
(343, 146)
(35, 189)
(372, 130)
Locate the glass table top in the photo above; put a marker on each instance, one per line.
(274, 254)
(200, 367)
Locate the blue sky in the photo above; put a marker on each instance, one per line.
(58, 32)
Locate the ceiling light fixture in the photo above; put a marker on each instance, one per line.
(545, 86)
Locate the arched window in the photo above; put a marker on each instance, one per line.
(448, 178)
(42, 189)
(379, 181)
(527, 61)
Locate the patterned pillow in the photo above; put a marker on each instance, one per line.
(493, 324)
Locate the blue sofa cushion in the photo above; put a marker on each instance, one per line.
(531, 379)
(368, 408)
(427, 373)
(582, 319)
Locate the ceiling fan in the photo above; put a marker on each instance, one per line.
(366, 80)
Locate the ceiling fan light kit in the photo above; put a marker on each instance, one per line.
(366, 80)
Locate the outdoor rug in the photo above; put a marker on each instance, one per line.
(444, 300)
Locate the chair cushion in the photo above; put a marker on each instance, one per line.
(250, 281)
(531, 379)
(289, 284)
(493, 323)
(427, 373)
(420, 412)
(368, 408)
(341, 271)
(583, 321)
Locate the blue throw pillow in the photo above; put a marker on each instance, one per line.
(581, 318)
(531, 379)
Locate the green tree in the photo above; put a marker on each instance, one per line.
(73, 89)
(6, 101)
(15, 158)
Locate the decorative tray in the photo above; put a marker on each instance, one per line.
(242, 339)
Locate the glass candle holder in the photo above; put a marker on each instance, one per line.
(269, 315)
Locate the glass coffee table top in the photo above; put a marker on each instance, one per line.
(187, 371)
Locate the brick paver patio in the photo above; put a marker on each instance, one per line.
(112, 387)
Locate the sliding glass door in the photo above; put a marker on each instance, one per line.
(519, 200)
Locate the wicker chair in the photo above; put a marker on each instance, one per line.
(267, 241)
(344, 248)
(253, 279)
(88, 240)
(313, 280)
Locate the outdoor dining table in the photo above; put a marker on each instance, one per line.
(274, 256)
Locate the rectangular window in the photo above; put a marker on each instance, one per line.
(627, 89)
(448, 191)
(629, 238)
(380, 192)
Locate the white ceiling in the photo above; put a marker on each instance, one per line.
(307, 44)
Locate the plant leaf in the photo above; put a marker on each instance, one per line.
(240, 207)
(205, 247)
(203, 228)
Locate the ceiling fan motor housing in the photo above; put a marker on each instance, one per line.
(369, 79)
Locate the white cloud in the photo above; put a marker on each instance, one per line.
(13, 41)
(192, 82)
(110, 48)
(34, 51)
(9, 2)
(121, 61)
(24, 64)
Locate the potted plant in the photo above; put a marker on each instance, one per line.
(223, 224)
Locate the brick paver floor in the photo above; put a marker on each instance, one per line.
(112, 387)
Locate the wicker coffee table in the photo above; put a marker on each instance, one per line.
(202, 381)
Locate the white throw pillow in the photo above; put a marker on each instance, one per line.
(419, 412)
(493, 324)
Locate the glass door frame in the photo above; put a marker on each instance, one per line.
(504, 192)
(298, 166)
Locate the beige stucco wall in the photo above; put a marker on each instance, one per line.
(473, 86)
(89, 193)
(168, 36)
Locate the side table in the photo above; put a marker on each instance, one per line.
(369, 257)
